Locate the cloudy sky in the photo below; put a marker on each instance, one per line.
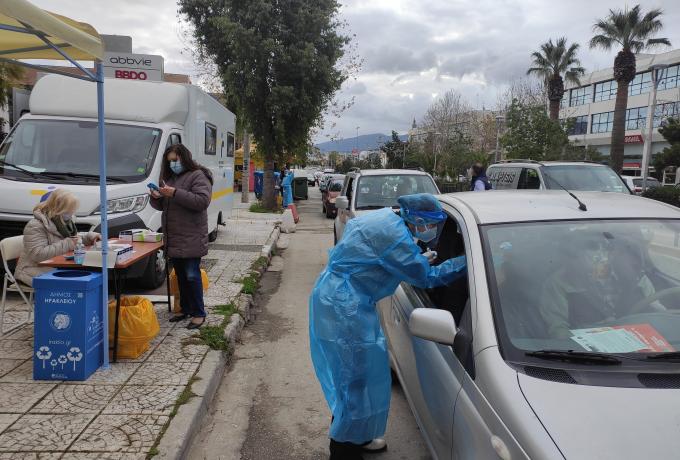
(413, 50)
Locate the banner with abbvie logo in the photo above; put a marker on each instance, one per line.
(130, 66)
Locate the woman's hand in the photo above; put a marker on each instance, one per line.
(167, 191)
(154, 194)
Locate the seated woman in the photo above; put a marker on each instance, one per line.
(50, 233)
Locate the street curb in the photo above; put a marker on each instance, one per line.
(184, 426)
(271, 242)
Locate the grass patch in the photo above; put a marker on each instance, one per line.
(213, 336)
(153, 452)
(225, 310)
(250, 284)
(261, 262)
(258, 207)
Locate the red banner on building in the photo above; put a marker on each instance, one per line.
(633, 139)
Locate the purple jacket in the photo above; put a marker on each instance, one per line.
(185, 216)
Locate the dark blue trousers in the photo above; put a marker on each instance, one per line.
(188, 273)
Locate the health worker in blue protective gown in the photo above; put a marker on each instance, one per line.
(287, 184)
(376, 252)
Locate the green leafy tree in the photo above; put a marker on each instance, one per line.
(531, 134)
(670, 156)
(633, 32)
(395, 151)
(277, 62)
(551, 63)
(10, 75)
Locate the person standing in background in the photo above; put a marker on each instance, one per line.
(479, 182)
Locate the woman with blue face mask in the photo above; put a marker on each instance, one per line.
(377, 251)
(184, 194)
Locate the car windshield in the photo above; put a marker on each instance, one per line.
(336, 185)
(591, 178)
(374, 192)
(596, 286)
(70, 150)
(651, 182)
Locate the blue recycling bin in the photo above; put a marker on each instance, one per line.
(69, 327)
(259, 183)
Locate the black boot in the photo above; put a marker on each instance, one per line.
(345, 451)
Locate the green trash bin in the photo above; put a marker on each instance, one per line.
(300, 191)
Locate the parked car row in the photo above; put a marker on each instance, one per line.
(567, 322)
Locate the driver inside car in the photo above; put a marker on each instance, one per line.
(600, 282)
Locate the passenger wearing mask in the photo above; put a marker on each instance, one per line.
(184, 196)
(377, 252)
(479, 182)
(52, 232)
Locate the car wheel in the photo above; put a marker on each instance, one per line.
(154, 275)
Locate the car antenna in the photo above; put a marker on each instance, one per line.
(581, 204)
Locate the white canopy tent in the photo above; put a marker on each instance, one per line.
(31, 33)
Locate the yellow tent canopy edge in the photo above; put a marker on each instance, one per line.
(79, 40)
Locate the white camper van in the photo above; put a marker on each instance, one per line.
(56, 146)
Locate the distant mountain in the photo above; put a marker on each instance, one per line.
(363, 142)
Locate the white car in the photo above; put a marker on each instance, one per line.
(371, 189)
(635, 183)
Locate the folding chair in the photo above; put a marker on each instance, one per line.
(10, 249)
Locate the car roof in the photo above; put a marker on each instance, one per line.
(391, 172)
(504, 206)
(520, 163)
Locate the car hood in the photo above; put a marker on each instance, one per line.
(594, 422)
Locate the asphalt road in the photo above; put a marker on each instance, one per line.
(269, 404)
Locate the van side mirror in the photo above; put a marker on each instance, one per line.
(341, 202)
(433, 324)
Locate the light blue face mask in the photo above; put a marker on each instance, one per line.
(426, 236)
(176, 167)
(66, 217)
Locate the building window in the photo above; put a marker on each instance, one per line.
(602, 122)
(580, 96)
(564, 103)
(671, 78)
(636, 118)
(578, 125)
(230, 144)
(641, 84)
(605, 91)
(664, 111)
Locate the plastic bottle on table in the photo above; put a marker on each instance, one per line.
(79, 252)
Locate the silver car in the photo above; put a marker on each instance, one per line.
(562, 342)
(370, 189)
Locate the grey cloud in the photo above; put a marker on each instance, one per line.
(390, 59)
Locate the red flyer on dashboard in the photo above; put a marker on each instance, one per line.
(646, 334)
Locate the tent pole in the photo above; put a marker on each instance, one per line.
(103, 209)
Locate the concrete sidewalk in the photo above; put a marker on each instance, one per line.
(119, 413)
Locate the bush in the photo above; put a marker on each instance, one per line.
(670, 195)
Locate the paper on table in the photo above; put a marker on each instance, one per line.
(622, 339)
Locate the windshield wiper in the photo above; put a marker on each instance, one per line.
(18, 168)
(84, 176)
(571, 355)
(670, 356)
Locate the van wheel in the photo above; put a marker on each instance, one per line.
(154, 275)
(212, 236)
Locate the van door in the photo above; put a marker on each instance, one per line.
(504, 177)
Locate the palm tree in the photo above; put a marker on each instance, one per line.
(632, 31)
(553, 61)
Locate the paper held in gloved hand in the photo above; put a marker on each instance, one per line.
(431, 256)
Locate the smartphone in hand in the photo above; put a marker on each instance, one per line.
(153, 186)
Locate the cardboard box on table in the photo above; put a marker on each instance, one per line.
(68, 329)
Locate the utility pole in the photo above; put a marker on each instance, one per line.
(657, 72)
(245, 176)
(499, 121)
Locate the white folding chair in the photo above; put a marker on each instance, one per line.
(10, 249)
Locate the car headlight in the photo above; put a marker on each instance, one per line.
(128, 204)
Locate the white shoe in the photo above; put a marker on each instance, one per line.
(377, 445)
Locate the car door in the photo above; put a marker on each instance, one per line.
(344, 214)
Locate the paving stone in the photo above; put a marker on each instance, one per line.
(43, 432)
(153, 400)
(7, 365)
(103, 456)
(20, 397)
(118, 373)
(7, 419)
(76, 399)
(164, 373)
(173, 349)
(16, 349)
(23, 333)
(31, 456)
(120, 433)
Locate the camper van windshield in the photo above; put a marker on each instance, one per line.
(63, 150)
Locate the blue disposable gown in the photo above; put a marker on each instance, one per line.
(348, 348)
(287, 185)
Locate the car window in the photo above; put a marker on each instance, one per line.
(651, 182)
(605, 286)
(584, 177)
(504, 177)
(375, 192)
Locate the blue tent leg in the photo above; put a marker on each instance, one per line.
(103, 209)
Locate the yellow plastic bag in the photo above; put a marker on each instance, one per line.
(137, 325)
(174, 288)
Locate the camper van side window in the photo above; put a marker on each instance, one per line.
(230, 144)
(173, 140)
(210, 139)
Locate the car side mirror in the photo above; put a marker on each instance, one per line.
(433, 324)
(341, 202)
